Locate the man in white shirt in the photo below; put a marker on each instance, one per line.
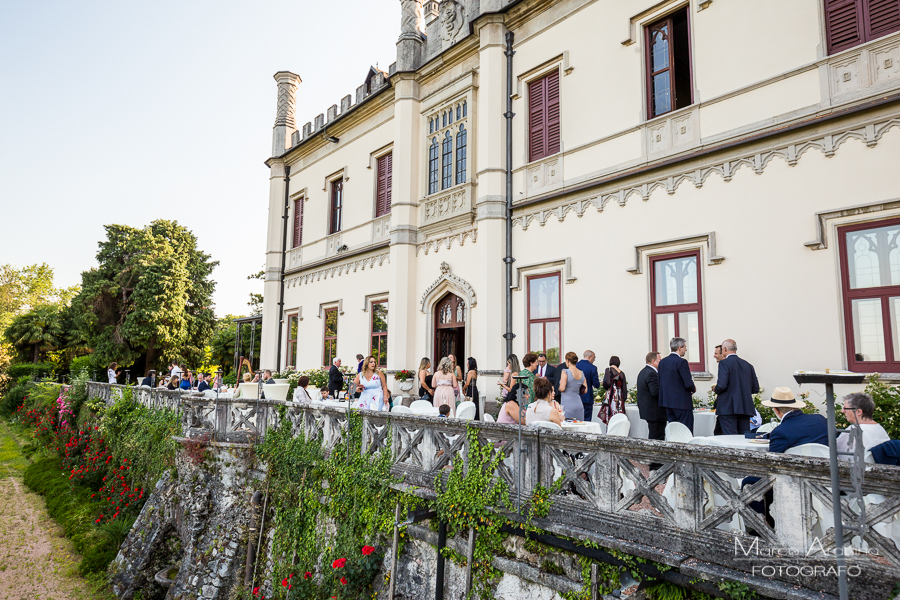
(859, 410)
(174, 369)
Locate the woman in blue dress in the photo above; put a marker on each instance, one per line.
(371, 385)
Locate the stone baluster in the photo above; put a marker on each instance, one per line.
(791, 528)
(688, 495)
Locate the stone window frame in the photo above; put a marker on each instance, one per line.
(324, 308)
(458, 103)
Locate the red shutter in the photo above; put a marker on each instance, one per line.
(536, 119)
(883, 18)
(298, 222)
(843, 24)
(383, 189)
(553, 113)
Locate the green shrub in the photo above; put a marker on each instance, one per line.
(30, 370)
(887, 406)
(12, 400)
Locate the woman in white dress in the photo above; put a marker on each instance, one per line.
(371, 385)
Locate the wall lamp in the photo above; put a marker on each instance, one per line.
(332, 139)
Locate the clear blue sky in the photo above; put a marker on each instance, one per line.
(126, 112)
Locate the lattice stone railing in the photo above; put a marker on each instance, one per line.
(608, 495)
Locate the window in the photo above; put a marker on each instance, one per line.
(544, 322)
(676, 307)
(543, 116)
(337, 204)
(668, 64)
(383, 187)
(849, 23)
(447, 161)
(331, 323)
(461, 154)
(379, 332)
(290, 360)
(433, 167)
(298, 222)
(870, 278)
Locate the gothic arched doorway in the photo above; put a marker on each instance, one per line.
(449, 328)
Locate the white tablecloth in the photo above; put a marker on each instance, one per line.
(583, 427)
(739, 442)
(704, 422)
(336, 403)
(429, 411)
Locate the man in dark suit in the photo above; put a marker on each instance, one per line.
(335, 378)
(204, 384)
(591, 382)
(735, 387)
(676, 387)
(546, 370)
(648, 398)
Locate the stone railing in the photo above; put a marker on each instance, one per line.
(609, 497)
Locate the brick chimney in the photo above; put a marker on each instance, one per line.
(284, 116)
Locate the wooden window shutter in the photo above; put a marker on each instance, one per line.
(383, 192)
(543, 117)
(298, 222)
(843, 24)
(883, 17)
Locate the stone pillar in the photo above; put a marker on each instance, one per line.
(272, 282)
(284, 115)
(412, 36)
(490, 203)
(402, 334)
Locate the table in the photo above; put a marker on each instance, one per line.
(336, 403)
(704, 422)
(739, 442)
(583, 427)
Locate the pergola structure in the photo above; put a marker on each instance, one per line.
(255, 321)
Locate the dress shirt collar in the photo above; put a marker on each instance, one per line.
(655, 370)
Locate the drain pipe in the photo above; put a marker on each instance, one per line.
(250, 563)
(284, 233)
(509, 335)
(439, 572)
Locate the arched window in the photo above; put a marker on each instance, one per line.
(433, 166)
(461, 154)
(447, 161)
(430, 125)
(465, 109)
(458, 111)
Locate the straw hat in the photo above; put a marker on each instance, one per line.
(783, 397)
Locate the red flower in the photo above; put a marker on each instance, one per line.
(289, 586)
(290, 576)
(256, 591)
(367, 550)
(307, 575)
(339, 563)
(284, 582)
(343, 581)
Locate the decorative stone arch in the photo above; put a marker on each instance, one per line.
(447, 282)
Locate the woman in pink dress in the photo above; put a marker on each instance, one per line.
(444, 383)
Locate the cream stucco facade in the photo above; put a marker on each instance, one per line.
(781, 144)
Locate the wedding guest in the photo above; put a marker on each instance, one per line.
(616, 390)
(509, 409)
(300, 393)
(591, 382)
(444, 410)
(267, 377)
(335, 378)
(859, 410)
(648, 398)
(544, 408)
(174, 383)
(111, 372)
(507, 382)
(204, 384)
(571, 381)
(457, 372)
(444, 382)
(323, 394)
(735, 386)
(546, 370)
(247, 378)
(676, 386)
(529, 364)
(426, 391)
(186, 381)
(359, 359)
(470, 389)
(371, 385)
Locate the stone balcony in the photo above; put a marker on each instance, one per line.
(607, 495)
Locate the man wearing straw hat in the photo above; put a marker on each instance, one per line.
(796, 428)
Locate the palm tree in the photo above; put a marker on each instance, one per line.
(38, 330)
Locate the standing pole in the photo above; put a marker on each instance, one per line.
(284, 237)
(836, 493)
(470, 556)
(520, 397)
(252, 343)
(439, 573)
(509, 191)
(394, 552)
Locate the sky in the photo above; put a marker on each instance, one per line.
(127, 112)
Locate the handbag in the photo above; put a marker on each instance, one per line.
(468, 396)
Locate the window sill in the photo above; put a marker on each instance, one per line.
(701, 375)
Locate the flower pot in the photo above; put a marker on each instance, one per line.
(407, 385)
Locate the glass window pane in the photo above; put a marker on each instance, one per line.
(543, 298)
(536, 338)
(868, 330)
(665, 331)
(292, 327)
(662, 98)
(873, 257)
(331, 323)
(689, 329)
(676, 281)
(380, 317)
(659, 53)
(552, 343)
(894, 303)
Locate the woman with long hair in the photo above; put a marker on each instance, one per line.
(426, 391)
(111, 372)
(512, 368)
(371, 385)
(544, 408)
(616, 390)
(444, 382)
(470, 389)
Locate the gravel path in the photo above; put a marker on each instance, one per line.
(36, 561)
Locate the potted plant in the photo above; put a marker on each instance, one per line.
(405, 378)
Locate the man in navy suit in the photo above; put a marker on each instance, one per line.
(676, 386)
(546, 370)
(735, 387)
(591, 381)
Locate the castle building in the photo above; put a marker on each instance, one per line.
(707, 169)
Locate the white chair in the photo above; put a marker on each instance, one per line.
(547, 425)
(422, 407)
(489, 418)
(466, 410)
(766, 427)
(249, 391)
(276, 391)
(678, 432)
(282, 381)
(819, 450)
(619, 425)
(400, 409)
(869, 458)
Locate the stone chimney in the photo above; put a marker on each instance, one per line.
(284, 115)
(412, 35)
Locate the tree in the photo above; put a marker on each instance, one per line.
(256, 300)
(150, 299)
(222, 343)
(37, 331)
